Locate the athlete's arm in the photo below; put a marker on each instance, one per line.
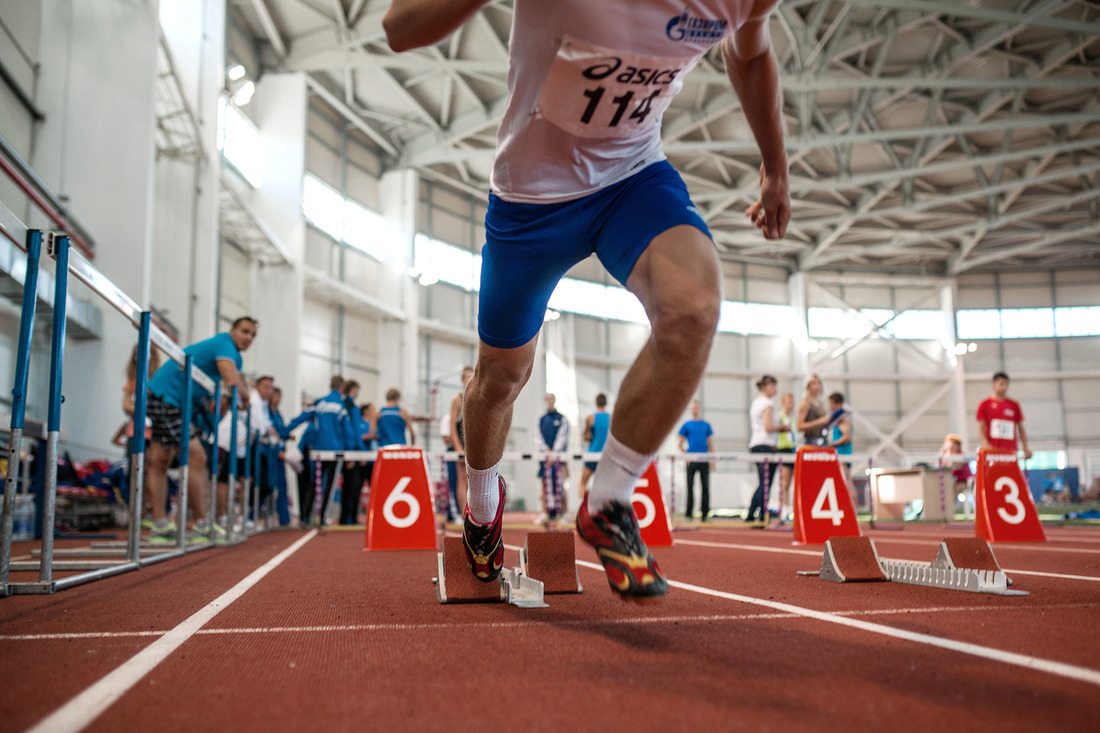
(983, 430)
(415, 23)
(1023, 440)
(228, 371)
(754, 74)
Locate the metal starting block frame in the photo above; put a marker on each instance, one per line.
(857, 559)
(513, 586)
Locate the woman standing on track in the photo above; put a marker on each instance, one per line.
(765, 436)
(812, 418)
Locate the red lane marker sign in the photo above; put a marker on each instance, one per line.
(649, 505)
(822, 505)
(1004, 509)
(400, 515)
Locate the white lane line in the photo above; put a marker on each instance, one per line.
(574, 622)
(787, 551)
(79, 712)
(1082, 674)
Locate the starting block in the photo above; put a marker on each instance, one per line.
(851, 560)
(973, 553)
(552, 558)
(547, 565)
(960, 565)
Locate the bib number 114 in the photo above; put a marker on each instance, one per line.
(621, 104)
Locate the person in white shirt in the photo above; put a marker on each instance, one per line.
(764, 439)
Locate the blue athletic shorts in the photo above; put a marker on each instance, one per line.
(529, 247)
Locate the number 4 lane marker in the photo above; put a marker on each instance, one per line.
(79, 712)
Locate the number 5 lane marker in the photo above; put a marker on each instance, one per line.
(79, 712)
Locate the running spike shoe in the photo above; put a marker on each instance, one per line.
(631, 569)
(483, 543)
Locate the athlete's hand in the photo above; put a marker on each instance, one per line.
(772, 211)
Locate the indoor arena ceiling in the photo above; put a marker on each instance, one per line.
(924, 135)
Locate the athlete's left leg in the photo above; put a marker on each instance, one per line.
(678, 281)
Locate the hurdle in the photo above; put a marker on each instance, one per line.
(30, 242)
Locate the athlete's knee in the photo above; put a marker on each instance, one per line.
(500, 375)
(685, 329)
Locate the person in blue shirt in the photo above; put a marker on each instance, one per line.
(596, 427)
(219, 357)
(354, 471)
(696, 436)
(332, 432)
(394, 422)
(276, 458)
(839, 432)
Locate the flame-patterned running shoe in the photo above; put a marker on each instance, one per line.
(483, 544)
(614, 533)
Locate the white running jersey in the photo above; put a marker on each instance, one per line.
(588, 85)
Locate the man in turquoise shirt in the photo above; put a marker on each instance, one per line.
(219, 358)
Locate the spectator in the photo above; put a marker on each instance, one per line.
(225, 435)
(696, 436)
(596, 427)
(450, 468)
(764, 439)
(394, 423)
(219, 357)
(786, 444)
(961, 473)
(811, 413)
(263, 435)
(332, 431)
(840, 436)
(1000, 419)
(276, 458)
(552, 437)
(458, 439)
(353, 473)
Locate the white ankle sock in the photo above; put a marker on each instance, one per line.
(616, 474)
(483, 496)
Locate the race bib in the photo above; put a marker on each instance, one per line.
(1002, 429)
(595, 92)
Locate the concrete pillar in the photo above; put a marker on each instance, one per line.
(957, 416)
(277, 290)
(96, 148)
(399, 341)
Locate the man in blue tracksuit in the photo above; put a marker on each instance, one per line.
(276, 467)
(332, 430)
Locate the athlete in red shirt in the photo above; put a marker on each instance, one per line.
(1001, 421)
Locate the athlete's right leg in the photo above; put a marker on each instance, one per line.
(498, 378)
(156, 476)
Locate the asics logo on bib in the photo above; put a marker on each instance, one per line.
(696, 30)
(631, 74)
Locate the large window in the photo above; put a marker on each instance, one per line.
(347, 221)
(1022, 323)
(239, 141)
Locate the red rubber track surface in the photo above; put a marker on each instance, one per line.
(336, 638)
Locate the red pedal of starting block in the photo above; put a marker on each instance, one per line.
(1004, 509)
(551, 557)
(400, 515)
(649, 505)
(456, 582)
(822, 506)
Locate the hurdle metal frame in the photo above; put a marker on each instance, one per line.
(68, 261)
